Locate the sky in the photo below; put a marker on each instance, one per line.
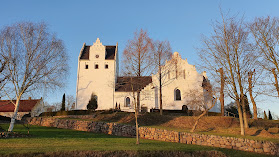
(181, 22)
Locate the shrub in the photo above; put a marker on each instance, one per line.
(92, 104)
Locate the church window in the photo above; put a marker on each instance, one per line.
(86, 66)
(96, 66)
(177, 95)
(106, 66)
(127, 102)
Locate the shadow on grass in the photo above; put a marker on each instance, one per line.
(50, 132)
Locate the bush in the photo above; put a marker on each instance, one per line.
(92, 104)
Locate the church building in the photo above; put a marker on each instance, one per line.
(98, 74)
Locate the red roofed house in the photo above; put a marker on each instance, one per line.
(34, 107)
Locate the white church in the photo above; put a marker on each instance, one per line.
(98, 73)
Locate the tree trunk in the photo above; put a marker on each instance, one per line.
(137, 127)
(276, 80)
(245, 118)
(222, 92)
(240, 118)
(138, 101)
(197, 120)
(255, 112)
(136, 118)
(11, 127)
(136, 106)
(204, 112)
(160, 92)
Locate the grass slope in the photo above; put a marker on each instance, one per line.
(211, 125)
(45, 140)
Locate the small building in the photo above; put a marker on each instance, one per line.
(32, 106)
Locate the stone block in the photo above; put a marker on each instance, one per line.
(266, 150)
(259, 150)
(238, 145)
(257, 145)
(228, 147)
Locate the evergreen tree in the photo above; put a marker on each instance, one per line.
(265, 116)
(63, 103)
(92, 104)
(231, 110)
(269, 115)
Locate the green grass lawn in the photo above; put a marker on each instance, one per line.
(46, 139)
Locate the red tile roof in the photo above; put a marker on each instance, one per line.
(24, 105)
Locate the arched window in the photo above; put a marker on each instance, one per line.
(177, 95)
(127, 102)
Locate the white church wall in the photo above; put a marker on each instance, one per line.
(182, 76)
(99, 81)
(120, 98)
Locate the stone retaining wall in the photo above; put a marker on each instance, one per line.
(160, 134)
(210, 140)
(91, 126)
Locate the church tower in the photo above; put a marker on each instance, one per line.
(97, 74)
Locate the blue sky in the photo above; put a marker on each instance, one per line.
(180, 22)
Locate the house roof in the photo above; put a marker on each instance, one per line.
(24, 105)
(110, 52)
(85, 53)
(125, 84)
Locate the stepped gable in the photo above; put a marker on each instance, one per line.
(24, 105)
(125, 84)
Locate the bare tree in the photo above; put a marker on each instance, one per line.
(70, 102)
(228, 47)
(201, 101)
(161, 53)
(36, 59)
(266, 36)
(133, 85)
(137, 57)
(137, 62)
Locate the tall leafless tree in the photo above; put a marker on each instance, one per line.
(161, 53)
(37, 59)
(222, 95)
(137, 57)
(265, 31)
(138, 62)
(229, 47)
